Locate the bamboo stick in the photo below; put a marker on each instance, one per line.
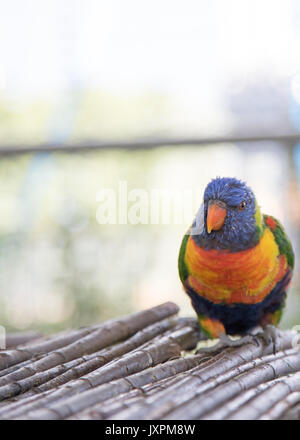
(203, 403)
(29, 376)
(241, 399)
(292, 411)
(24, 352)
(132, 368)
(226, 365)
(21, 338)
(137, 338)
(139, 382)
(95, 360)
(101, 411)
(150, 375)
(264, 401)
(89, 340)
(184, 387)
(69, 346)
(281, 407)
(167, 348)
(13, 368)
(102, 357)
(165, 384)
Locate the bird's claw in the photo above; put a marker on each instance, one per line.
(212, 349)
(235, 342)
(224, 342)
(271, 335)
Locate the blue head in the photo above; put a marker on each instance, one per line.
(229, 216)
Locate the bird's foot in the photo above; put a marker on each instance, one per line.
(235, 342)
(270, 335)
(211, 349)
(224, 342)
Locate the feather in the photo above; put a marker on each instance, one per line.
(236, 276)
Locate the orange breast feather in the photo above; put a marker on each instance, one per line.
(241, 277)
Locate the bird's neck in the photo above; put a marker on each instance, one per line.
(228, 240)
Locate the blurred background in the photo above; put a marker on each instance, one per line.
(156, 96)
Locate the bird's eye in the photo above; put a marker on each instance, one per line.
(242, 205)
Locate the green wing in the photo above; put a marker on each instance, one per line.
(183, 270)
(282, 240)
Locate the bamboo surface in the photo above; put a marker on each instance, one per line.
(146, 366)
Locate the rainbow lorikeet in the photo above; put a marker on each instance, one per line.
(235, 263)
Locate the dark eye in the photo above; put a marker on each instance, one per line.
(242, 205)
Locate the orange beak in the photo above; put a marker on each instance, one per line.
(215, 217)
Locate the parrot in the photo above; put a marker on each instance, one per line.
(235, 264)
